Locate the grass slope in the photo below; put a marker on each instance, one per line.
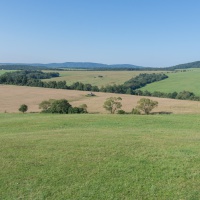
(4, 71)
(99, 78)
(99, 157)
(178, 82)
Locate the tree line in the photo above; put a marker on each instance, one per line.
(34, 78)
(112, 104)
(183, 95)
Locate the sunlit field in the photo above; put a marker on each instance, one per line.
(46, 156)
(98, 78)
(178, 82)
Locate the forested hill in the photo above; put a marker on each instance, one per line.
(86, 65)
(92, 66)
(71, 65)
(21, 67)
(185, 66)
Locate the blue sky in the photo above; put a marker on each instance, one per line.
(155, 33)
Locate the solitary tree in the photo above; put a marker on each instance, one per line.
(23, 108)
(112, 104)
(146, 105)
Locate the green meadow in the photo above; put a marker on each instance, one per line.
(178, 82)
(4, 71)
(46, 156)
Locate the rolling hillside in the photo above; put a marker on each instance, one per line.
(13, 96)
(98, 78)
(178, 82)
(104, 157)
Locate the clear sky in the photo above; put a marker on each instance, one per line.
(154, 33)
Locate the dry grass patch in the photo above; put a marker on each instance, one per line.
(13, 96)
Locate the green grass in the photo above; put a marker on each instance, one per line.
(4, 71)
(45, 156)
(92, 77)
(178, 82)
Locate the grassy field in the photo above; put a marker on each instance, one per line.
(13, 96)
(178, 82)
(99, 156)
(4, 71)
(99, 78)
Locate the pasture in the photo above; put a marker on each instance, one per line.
(11, 97)
(45, 156)
(177, 82)
(98, 78)
(4, 71)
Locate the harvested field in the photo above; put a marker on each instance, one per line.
(11, 97)
(99, 78)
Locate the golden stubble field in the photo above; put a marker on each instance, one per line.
(11, 97)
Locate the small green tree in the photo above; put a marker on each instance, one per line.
(146, 105)
(23, 108)
(112, 104)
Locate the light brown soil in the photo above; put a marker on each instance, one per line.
(11, 97)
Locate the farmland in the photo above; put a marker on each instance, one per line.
(177, 82)
(98, 78)
(97, 155)
(13, 96)
(46, 156)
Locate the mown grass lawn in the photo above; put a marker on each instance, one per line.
(45, 156)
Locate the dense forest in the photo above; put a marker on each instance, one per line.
(21, 67)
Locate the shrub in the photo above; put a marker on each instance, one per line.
(135, 111)
(121, 112)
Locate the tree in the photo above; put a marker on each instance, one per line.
(55, 106)
(146, 105)
(112, 104)
(60, 106)
(23, 108)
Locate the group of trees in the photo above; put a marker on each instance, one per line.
(61, 106)
(131, 85)
(112, 104)
(184, 95)
(144, 105)
(25, 77)
(34, 78)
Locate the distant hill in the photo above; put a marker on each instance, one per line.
(75, 65)
(6, 66)
(185, 66)
(86, 65)
(92, 66)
